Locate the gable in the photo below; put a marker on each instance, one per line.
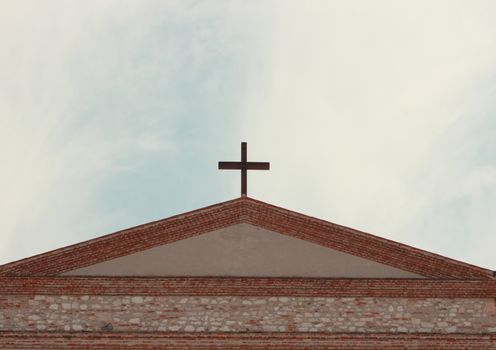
(242, 250)
(246, 210)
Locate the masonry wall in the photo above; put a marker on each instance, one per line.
(246, 314)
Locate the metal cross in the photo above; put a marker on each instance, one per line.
(244, 166)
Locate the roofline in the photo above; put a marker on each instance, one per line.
(252, 211)
(389, 241)
(112, 234)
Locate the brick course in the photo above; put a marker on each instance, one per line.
(249, 286)
(246, 341)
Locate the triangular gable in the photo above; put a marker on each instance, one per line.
(242, 250)
(248, 211)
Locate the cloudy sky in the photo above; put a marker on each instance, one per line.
(379, 115)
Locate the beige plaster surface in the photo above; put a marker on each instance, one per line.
(243, 250)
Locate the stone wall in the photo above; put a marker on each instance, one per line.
(246, 314)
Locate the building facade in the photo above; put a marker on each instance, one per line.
(244, 274)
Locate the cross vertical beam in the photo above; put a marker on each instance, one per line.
(244, 166)
(244, 169)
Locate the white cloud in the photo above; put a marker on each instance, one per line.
(355, 106)
(83, 98)
(94, 91)
(370, 112)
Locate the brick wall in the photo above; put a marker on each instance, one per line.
(243, 341)
(248, 286)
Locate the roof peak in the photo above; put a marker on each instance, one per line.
(244, 209)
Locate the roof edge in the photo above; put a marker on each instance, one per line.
(244, 209)
(9, 265)
(490, 273)
(389, 241)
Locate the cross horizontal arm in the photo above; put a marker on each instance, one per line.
(249, 165)
(258, 166)
(230, 165)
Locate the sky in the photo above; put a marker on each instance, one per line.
(377, 115)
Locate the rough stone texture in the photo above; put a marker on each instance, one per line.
(247, 314)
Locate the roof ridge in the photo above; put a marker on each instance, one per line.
(244, 210)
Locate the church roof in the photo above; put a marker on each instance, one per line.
(251, 212)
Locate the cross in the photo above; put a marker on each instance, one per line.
(244, 166)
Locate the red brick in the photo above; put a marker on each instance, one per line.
(245, 341)
(248, 286)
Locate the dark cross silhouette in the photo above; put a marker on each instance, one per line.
(244, 166)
